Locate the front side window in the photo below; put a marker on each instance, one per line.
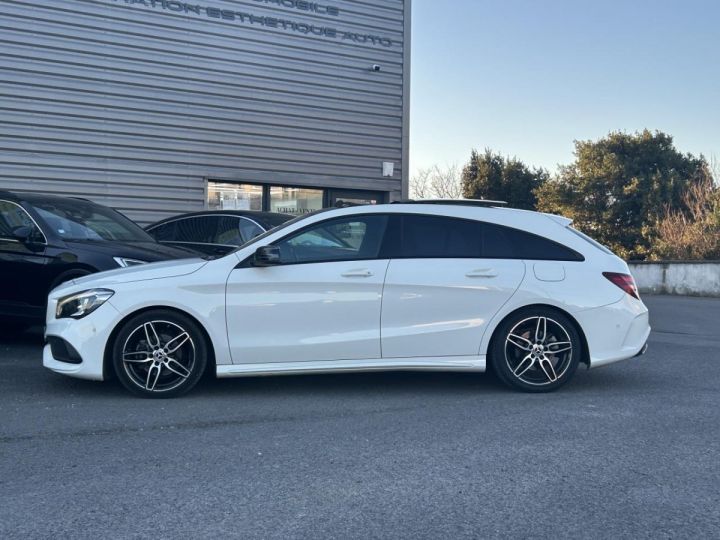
(73, 219)
(343, 239)
(12, 217)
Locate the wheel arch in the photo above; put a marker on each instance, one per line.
(77, 270)
(108, 370)
(585, 356)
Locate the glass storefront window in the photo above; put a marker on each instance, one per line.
(225, 196)
(295, 201)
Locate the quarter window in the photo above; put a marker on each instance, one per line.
(344, 239)
(249, 229)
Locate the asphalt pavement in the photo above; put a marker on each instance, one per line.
(630, 450)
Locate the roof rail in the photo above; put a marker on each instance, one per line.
(456, 202)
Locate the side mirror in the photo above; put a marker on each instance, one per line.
(22, 233)
(267, 256)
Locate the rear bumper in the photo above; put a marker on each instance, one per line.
(615, 332)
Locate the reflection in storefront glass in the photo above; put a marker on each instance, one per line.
(225, 196)
(295, 201)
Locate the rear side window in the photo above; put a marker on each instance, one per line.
(165, 232)
(200, 229)
(427, 237)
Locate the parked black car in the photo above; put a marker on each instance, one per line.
(46, 240)
(214, 232)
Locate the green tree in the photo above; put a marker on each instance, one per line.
(492, 176)
(619, 186)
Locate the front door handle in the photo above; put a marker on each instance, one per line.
(358, 272)
(482, 273)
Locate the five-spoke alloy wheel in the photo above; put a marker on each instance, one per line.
(536, 350)
(159, 353)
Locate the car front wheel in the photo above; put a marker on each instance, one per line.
(160, 354)
(536, 350)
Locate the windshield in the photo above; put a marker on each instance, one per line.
(73, 219)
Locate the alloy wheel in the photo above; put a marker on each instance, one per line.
(159, 356)
(538, 351)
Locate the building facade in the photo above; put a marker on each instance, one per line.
(159, 107)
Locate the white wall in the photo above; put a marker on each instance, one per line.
(688, 278)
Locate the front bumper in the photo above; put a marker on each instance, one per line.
(87, 336)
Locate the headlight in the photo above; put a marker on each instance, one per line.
(125, 262)
(78, 305)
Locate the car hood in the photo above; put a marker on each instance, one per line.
(141, 272)
(142, 251)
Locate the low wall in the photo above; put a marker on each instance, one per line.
(696, 278)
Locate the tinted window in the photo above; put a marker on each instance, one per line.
(351, 238)
(420, 236)
(13, 216)
(196, 229)
(435, 236)
(164, 233)
(508, 243)
(228, 231)
(249, 229)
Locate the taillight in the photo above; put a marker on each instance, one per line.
(624, 281)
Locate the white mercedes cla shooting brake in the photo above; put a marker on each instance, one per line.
(462, 286)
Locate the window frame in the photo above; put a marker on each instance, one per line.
(385, 252)
(384, 249)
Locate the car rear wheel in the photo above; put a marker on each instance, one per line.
(536, 350)
(160, 354)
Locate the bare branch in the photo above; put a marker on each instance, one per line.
(437, 183)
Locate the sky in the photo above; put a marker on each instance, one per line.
(528, 77)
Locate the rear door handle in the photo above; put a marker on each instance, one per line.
(359, 272)
(482, 273)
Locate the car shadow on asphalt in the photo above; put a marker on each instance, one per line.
(379, 385)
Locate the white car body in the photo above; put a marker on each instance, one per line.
(362, 315)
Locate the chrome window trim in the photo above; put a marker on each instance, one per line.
(45, 242)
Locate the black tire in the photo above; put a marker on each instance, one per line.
(160, 354)
(530, 357)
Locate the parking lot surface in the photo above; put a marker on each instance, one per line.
(628, 450)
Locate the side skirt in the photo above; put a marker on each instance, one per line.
(431, 363)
